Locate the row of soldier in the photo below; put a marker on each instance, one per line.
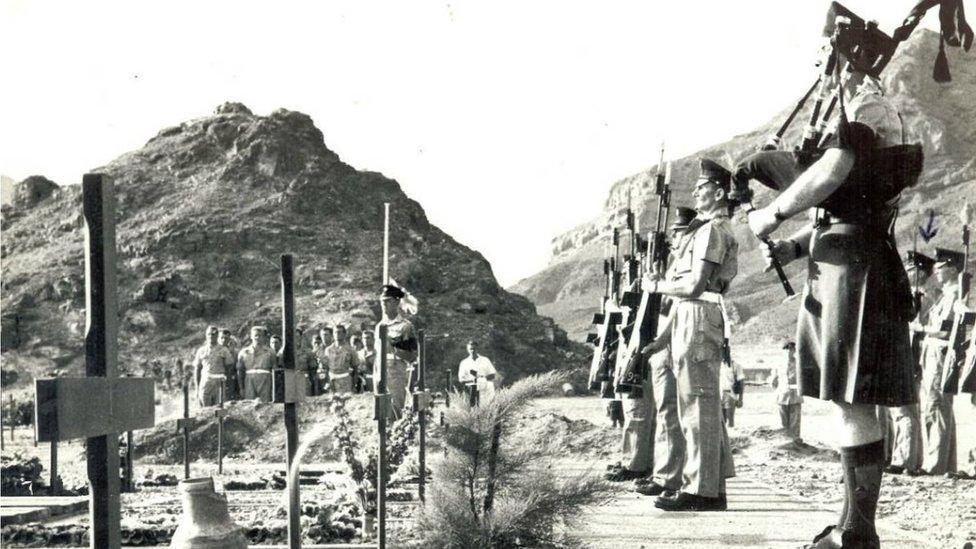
(855, 318)
(331, 360)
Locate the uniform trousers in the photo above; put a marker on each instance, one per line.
(257, 384)
(230, 385)
(728, 408)
(208, 394)
(938, 421)
(697, 337)
(638, 431)
(906, 451)
(669, 442)
(341, 383)
(397, 385)
(789, 416)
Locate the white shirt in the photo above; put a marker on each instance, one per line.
(483, 367)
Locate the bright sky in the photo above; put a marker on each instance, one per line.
(507, 120)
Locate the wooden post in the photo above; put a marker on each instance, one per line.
(220, 432)
(382, 396)
(101, 340)
(55, 479)
(127, 475)
(291, 417)
(184, 425)
(422, 414)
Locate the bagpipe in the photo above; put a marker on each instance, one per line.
(879, 174)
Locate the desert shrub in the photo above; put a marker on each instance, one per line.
(493, 490)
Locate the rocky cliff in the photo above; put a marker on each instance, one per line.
(939, 116)
(204, 210)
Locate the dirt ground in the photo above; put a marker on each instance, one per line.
(940, 509)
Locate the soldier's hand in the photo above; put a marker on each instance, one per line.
(763, 221)
(784, 251)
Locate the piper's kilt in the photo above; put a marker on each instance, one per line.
(852, 339)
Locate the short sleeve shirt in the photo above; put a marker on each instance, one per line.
(398, 329)
(342, 359)
(256, 358)
(213, 358)
(713, 242)
(870, 110)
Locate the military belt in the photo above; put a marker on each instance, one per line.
(707, 297)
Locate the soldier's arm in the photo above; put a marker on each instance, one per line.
(813, 186)
(690, 286)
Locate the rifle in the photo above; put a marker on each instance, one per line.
(953, 362)
(631, 371)
(606, 321)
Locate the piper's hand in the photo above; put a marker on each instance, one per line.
(763, 221)
(784, 251)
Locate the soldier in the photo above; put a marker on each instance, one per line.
(732, 379)
(705, 264)
(669, 443)
(254, 365)
(209, 366)
(367, 356)
(939, 424)
(230, 385)
(852, 340)
(784, 380)
(478, 371)
(276, 349)
(343, 362)
(906, 435)
(401, 349)
(313, 385)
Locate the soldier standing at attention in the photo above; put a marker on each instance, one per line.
(784, 381)
(209, 365)
(705, 264)
(276, 349)
(852, 341)
(732, 379)
(230, 385)
(669, 442)
(906, 451)
(254, 365)
(401, 349)
(322, 358)
(343, 362)
(312, 386)
(367, 356)
(938, 420)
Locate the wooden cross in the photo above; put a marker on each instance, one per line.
(381, 398)
(219, 413)
(289, 388)
(183, 426)
(421, 402)
(101, 405)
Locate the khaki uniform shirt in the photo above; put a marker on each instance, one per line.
(342, 359)
(256, 358)
(784, 380)
(213, 358)
(713, 242)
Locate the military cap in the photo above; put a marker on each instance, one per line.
(715, 172)
(949, 258)
(391, 292)
(789, 345)
(683, 217)
(920, 261)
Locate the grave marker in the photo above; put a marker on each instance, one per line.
(381, 398)
(289, 389)
(183, 425)
(421, 402)
(101, 405)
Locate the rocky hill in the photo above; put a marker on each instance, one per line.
(204, 210)
(939, 116)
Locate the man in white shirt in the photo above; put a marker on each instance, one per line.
(478, 371)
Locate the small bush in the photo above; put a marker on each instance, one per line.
(18, 473)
